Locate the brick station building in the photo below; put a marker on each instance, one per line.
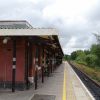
(27, 54)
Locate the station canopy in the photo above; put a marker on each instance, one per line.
(23, 28)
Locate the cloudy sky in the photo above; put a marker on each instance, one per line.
(75, 20)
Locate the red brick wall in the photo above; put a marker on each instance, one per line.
(33, 60)
(5, 61)
(6, 52)
(41, 51)
(20, 60)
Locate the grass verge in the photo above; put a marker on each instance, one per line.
(93, 73)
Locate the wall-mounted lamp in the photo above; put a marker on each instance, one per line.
(5, 40)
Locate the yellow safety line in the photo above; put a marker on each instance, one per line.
(64, 85)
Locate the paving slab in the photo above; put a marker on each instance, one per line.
(52, 88)
(53, 85)
(75, 90)
(43, 97)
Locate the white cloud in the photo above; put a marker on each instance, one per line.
(70, 50)
(75, 20)
(71, 43)
(68, 8)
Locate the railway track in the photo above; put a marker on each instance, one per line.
(92, 86)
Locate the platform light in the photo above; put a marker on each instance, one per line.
(5, 40)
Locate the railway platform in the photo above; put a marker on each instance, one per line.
(63, 84)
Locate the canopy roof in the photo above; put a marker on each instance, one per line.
(14, 24)
(28, 32)
(23, 28)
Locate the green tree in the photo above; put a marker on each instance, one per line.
(86, 52)
(98, 38)
(95, 49)
(91, 59)
(66, 57)
(74, 55)
(81, 56)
